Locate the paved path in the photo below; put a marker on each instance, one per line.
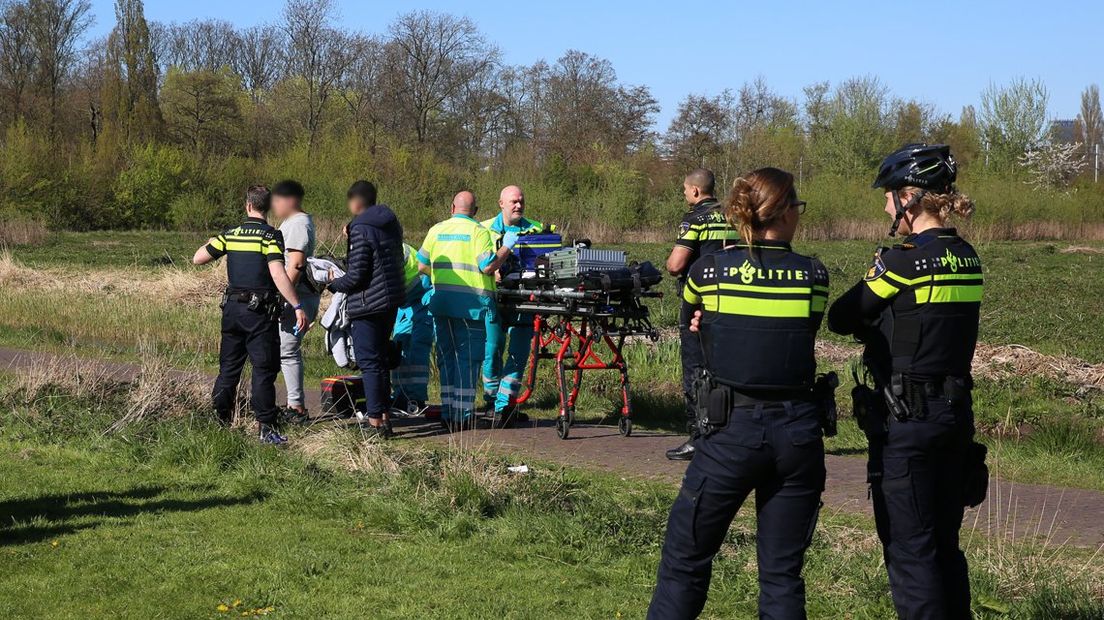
(1068, 515)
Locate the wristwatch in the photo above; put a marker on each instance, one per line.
(298, 306)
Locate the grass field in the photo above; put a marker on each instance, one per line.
(122, 295)
(173, 518)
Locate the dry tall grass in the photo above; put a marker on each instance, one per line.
(165, 284)
(22, 232)
(151, 390)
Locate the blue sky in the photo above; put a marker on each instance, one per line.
(946, 58)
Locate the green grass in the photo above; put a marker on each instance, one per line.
(173, 518)
(1035, 296)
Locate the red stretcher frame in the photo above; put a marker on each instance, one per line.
(578, 344)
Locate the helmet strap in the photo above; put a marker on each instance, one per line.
(903, 209)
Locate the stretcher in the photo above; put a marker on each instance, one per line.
(580, 330)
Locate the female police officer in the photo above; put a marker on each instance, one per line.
(917, 313)
(760, 305)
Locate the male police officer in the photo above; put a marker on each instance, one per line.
(703, 231)
(297, 229)
(251, 306)
(459, 256)
(502, 380)
(414, 335)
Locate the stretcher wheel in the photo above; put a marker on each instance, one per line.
(562, 426)
(624, 426)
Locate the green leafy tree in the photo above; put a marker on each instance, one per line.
(202, 109)
(1013, 120)
(130, 100)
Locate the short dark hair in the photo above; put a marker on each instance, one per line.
(258, 197)
(703, 179)
(289, 188)
(363, 190)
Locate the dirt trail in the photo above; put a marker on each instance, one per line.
(1057, 513)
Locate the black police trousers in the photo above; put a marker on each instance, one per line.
(775, 449)
(692, 358)
(253, 334)
(918, 509)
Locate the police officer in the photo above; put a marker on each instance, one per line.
(459, 256)
(763, 419)
(250, 311)
(502, 379)
(917, 313)
(703, 230)
(414, 335)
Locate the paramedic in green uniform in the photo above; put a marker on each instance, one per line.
(502, 380)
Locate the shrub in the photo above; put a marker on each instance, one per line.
(145, 189)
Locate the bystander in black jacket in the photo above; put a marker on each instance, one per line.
(374, 280)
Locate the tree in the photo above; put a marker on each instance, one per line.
(432, 58)
(362, 88)
(694, 137)
(130, 89)
(852, 129)
(1053, 165)
(201, 108)
(1013, 120)
(209, 44)
(317, 55)
(260, 59)
(579, 105)
(1089, 120)
(17, 58)
(764, 130)
(55, 27)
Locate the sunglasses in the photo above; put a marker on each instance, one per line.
(800, 206)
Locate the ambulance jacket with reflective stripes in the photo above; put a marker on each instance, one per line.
(249, 248)
(924, 298)
(457, 251)
(761, 308)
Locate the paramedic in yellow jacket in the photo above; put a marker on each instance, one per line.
(460, 257)
(502, 380)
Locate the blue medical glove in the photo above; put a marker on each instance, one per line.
(509, 239)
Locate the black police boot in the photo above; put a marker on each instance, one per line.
(685, 452)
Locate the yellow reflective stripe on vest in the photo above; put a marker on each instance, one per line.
(751, 306)
(949, 293)
(881, 288)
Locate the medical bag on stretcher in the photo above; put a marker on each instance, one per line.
(530, 247)
(342, 396)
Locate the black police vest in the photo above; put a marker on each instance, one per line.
(249, 248)
(761, 310)
(932, 323)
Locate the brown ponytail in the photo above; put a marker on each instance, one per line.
(943, 206)
(758, 199)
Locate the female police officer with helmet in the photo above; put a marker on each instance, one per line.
(759, 305)
(917, 313)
